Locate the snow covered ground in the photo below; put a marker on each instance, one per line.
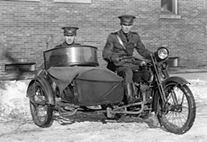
(16, 124)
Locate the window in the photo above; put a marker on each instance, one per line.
(169, 9)
(169, 6)
(74, 1)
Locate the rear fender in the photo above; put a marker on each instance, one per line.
(46, 86)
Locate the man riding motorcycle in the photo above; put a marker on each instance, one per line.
(120, 45)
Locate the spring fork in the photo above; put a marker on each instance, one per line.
(175, 100)
(159, 84)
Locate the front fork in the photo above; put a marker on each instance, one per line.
(158, 80)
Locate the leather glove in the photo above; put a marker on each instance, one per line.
(115, 58)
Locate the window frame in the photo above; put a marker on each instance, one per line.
(170, 14)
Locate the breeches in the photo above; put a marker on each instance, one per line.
(126, 71)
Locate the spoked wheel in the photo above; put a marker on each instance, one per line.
(178, 113)
(40, 111)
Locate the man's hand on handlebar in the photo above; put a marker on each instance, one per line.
(115, 58)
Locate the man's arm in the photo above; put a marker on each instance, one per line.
(141, 49)
(107, 52)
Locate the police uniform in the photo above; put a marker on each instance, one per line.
(68, 31)
(120, 44)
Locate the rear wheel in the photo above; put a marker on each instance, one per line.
(41, 111)
(178, 114)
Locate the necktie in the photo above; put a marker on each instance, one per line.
(127, 37)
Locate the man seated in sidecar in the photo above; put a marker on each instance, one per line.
(70, 35)
(75, 75)
(120, 45)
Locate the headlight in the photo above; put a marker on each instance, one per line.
(162, 53)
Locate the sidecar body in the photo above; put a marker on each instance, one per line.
(73, 75)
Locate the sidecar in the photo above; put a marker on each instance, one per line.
(71, 79)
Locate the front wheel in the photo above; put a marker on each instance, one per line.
(41, 112)
(177, 115)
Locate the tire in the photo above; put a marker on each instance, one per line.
(42, 114)
(177, 118)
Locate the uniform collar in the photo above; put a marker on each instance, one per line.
(65, 44)
(123, 35)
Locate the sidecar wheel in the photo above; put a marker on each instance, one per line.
(178, 115)
(41, 113)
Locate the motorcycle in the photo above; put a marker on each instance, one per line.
(71, 81)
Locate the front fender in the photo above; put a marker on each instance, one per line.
(44, 83)
(175, 79)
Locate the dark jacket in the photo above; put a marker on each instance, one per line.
(114, 49)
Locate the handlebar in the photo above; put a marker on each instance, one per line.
(134, 59)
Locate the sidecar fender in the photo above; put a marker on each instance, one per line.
(175, 79)
(46, 86)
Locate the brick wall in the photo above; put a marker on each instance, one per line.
(29, 28)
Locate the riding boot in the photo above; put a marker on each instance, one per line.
(129, 93)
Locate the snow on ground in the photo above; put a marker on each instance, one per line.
(13, 100)
(14, 106)
(199, 89)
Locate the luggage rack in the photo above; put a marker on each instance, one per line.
(18, 71)
(23, 66)
(173, 61)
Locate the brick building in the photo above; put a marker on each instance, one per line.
(28, 27)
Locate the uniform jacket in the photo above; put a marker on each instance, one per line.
(113, 47)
